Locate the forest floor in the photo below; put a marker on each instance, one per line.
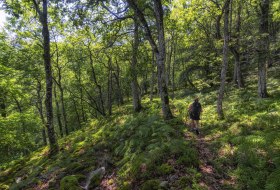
(142, 151)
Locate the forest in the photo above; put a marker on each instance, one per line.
(95, 94)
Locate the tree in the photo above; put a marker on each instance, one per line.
(263, 47)
(43, 18)
(134, 83)
(225, 60)
(158, 49)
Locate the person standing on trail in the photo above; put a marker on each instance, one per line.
(195, 110)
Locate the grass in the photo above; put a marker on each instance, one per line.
(142, 150)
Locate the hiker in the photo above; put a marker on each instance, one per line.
(195, 110)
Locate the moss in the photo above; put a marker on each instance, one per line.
(71, 182)
(3, 186)
(152, 184)
(74, 167)
(184, 181)
(164, 169)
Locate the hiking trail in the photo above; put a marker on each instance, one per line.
(210, 179)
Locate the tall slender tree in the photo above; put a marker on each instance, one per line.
(225, 60)
(43, 18)
(159, 50)
(134, 83)
(263, 47)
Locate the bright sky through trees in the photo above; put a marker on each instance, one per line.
(2, 18)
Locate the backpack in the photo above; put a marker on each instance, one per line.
(195, 108)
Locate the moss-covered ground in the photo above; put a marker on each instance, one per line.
(142, 151)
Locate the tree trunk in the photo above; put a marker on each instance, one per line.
(158, 49)
(82, 104)
(77, 113)
(218, 26)
(119, 92)
(134, 83)
(59, 83)
(169, 60)
(63, 110)
(58, 114)
(225, 61)
(48, 70)
(40, 110)
(109, 97)
(160, 60)
(152, 78)
(263, 48)
(3, 105)
(97, 84)
(236, 52)
(173, 66)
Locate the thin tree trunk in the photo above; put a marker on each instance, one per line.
(64, 110)
(236, 52)
(82, 104)
(134, 83)
(263, 48)
(218, 26)
(58, 114)
(225, 61)
(158, 49)
(168, 73)
(109, 97)
(48, 70)
(40, 110)
(59, 83)
(3, 105)
(152, 78)
(119, 91)
(160, 59)
(173, 66)
(97, 84)
(77, 113)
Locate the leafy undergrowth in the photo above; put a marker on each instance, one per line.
(141, 151)
(137, 150)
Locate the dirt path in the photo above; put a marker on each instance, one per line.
(210, 179)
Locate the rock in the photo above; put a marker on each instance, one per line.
(95, 178)
(173, 178)
(164, 184)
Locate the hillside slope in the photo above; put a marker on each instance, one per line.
(141, 151)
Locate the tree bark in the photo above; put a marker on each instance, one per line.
(58, 114)
(160, 59)
(77, 113)
(158, 49)
(61, 90)
(134, 83)
(225, 61)
(43, 17)
(119, 91)
(40, 110)
(263, 48)
(173, 65)
(96, 83)
(237, 77)
(152, 78)
(110, 86)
